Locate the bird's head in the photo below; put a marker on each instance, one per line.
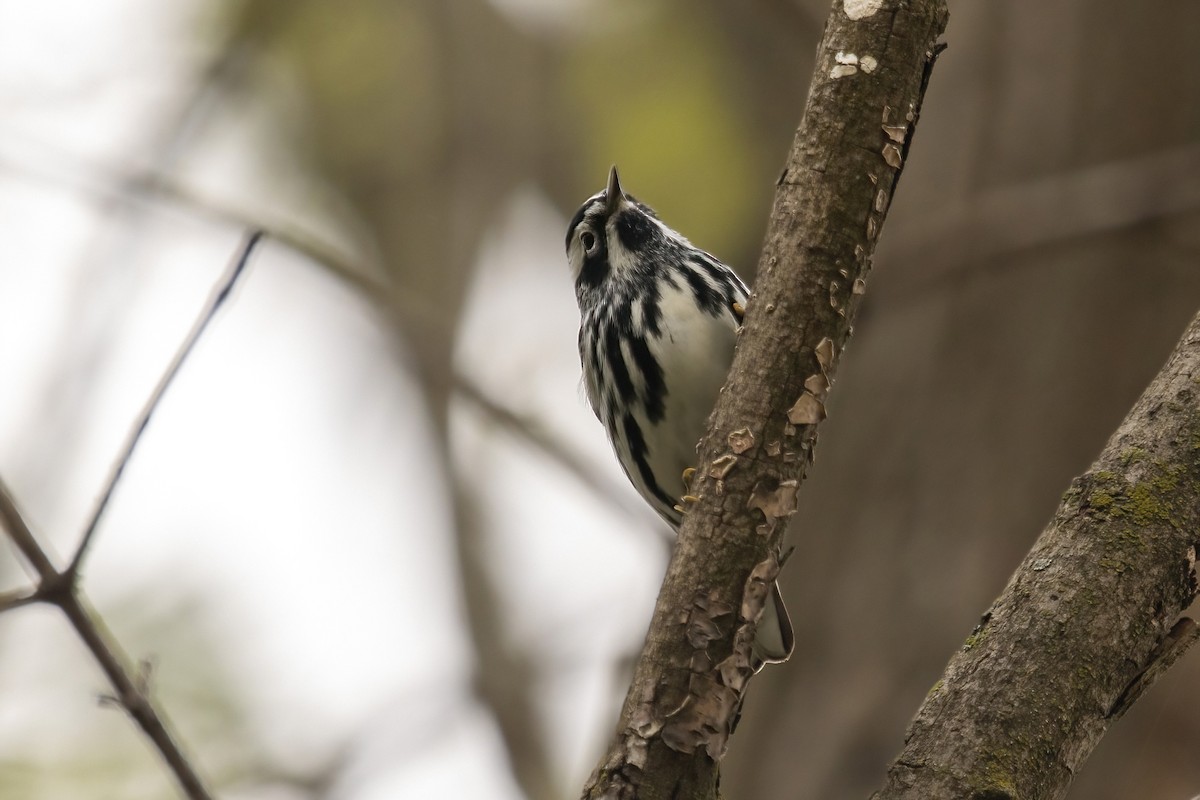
(614, 235)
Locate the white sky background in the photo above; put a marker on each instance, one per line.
(281, 497)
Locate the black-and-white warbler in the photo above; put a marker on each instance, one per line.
(658, 324)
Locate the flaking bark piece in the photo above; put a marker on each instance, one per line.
(1177, 641)
(705, 718)
(896, 133)
(808, 410)
(722, 466)
(645, 723)
(702, 618)
(736, 670)
(824, 353)
(817, 385)
(775, 499)
(626, 762)
(758, 588)
(741, 440)
(701, 630)
(713, 605)
(891, 154)
(638, 750)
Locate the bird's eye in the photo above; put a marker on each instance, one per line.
(588, 240)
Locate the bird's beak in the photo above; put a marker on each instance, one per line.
(613, 193)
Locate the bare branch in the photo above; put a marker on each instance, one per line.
(1088, 622)
(220, 293)
(830, 203)
(22, 537)
(59, 589)
(11, 600)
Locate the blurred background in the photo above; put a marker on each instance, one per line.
(374, 543)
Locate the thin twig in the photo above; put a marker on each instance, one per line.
(220, 294)
(59, 589)
(11, 600)
(22, 537)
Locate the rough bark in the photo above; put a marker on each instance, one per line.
(1090, 619)
(871, 70)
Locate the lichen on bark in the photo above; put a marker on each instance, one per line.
(1086, 624)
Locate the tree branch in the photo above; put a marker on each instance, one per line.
(59, 588)
(830, 203)
(220, 294)
(16, 599)
(1089, 621)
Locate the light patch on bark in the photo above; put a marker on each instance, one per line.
(861, 9)
(846, 64)
(824, 352)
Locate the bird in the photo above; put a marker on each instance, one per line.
(658, 324)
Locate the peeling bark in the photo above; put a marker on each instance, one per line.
(1090, 619)
(830, 203)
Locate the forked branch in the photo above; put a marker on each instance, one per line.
(61, 587)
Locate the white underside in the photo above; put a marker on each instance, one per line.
(694, 351)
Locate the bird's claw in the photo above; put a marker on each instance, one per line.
(688, 474)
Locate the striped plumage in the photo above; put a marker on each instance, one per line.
(658, 324)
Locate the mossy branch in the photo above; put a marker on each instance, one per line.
(1089, 621)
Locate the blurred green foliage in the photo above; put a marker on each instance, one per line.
(394, 93)
(656, 97)
(82, 741)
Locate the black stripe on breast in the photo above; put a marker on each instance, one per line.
(720, 275)
(616, 363)
(706, 296)
(637, 451)
(594, 350)
(652, 376)
(651, 301)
